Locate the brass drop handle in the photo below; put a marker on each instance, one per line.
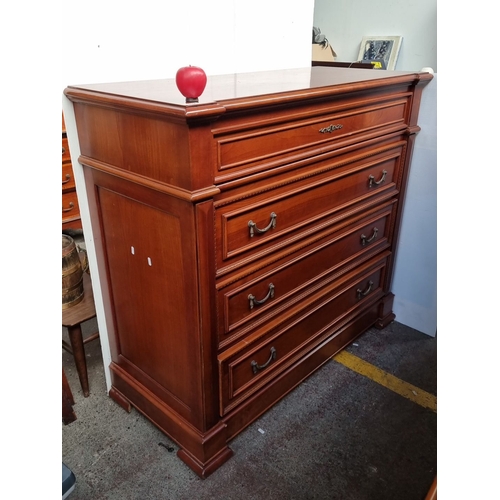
(256, 367)
(372, 182)
(364, 293)
(253, 227)
(365, 239)
(63, 150)
(253, 301)
(71, 207)
(68, 178)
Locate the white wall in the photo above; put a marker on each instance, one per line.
(415, 273)
(345, 22)
(109, 40)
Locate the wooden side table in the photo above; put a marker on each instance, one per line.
(72, 318)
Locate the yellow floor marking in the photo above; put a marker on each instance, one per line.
(389, 381)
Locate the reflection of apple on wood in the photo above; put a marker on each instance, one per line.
(191, 82)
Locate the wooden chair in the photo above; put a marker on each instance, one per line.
(72, 318)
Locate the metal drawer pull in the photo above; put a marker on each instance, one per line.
(64, 150)
(365, 239)
(71, 207)
(373, 182)
(253, 301)
(330, 129)
(68, 178)
(253, 227)
(256, 367)
(366, 292)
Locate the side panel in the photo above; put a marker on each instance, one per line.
(149, 243)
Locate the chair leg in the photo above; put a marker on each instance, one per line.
(68, 414)
(76, 339)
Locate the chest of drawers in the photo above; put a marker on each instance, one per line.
(70, 208)
(241, 241)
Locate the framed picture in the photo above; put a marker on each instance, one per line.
(380, 48)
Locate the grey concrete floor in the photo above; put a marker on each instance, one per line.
(339, 435)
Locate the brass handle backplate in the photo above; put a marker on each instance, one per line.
(330, 129)
(372, 182)
(364, 293)
(256, 367)
(253, 301)
(254, 229)
(365, 239)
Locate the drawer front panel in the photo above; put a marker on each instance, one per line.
(70, 207)
(249, 301)
(266, 144)
(257, 223)
(65, 150)
(248, 366)
(68, 179)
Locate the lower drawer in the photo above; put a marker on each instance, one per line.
(260, 401)
(249, 365)
(252, 224)
(68, 179)
(248, 301)
(70, 207)
(65, 150)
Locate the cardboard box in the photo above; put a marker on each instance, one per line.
(320, 53)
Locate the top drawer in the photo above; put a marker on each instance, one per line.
(268, 142)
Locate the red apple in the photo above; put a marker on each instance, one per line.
(191, 82)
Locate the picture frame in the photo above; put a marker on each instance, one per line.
(380, 48)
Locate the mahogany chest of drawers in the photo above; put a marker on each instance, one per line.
(243, 240)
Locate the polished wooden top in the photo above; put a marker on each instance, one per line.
(240, 90)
